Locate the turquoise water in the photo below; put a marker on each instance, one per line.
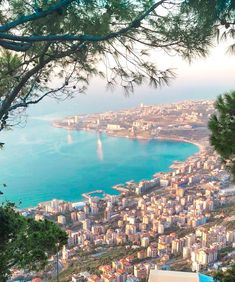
(40, 162)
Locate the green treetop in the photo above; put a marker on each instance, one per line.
(69, 41)
(222, 126)
(26, 243)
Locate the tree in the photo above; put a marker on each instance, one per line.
(222, 127)
(26, 243)
(69, 41)
(219, 14)
(227, 276)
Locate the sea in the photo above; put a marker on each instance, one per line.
(41, 163)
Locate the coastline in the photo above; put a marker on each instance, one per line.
(136, 125)
(163, 138)
(118, 191)
(138, 137)
(201, 147)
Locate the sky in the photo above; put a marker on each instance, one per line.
(203, 78)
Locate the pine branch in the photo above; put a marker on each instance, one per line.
(6, 38)
(42, 62)
(35, 16)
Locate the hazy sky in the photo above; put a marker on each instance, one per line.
(204, 78)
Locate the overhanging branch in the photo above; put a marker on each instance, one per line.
(35, 16)
(26, 103)
(15, 46)
(6, 38)
(9, 100)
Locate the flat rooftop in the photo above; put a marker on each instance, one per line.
(177, 276)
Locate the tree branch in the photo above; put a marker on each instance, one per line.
(25, 103)
(69, 37)
(35, 16)
(153, 44)
(14, 46)
(8, 101)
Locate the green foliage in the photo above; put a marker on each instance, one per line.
(227, 276)
(91, 264)
(211, 10)
(62, 44)
(218, 14)
(222, 127)
(26, 243)
(224, 252)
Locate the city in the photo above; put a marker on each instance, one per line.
(117, 141)
(179, 220)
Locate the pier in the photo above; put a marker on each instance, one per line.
(88, 195)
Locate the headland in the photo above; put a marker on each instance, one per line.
(182, 122)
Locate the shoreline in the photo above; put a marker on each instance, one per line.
(176, 139)
(161, 138)
(199, 145)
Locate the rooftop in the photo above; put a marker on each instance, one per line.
(177, 276)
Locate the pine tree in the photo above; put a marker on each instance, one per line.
(222, 126)
(26, 243)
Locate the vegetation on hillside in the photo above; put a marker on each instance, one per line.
(26, 243)
(225, 276)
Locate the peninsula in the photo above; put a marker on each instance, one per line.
(185, 121)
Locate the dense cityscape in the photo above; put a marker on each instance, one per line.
(182, 121)
(117, 122)
(176, 220)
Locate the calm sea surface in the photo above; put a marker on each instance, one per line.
(40, 162)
